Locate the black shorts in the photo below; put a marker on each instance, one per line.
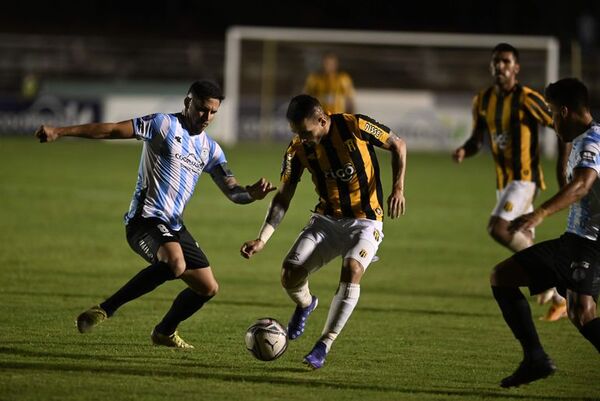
(568, 262)
(146, 235)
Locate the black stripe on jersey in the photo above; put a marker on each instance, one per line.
(317, 172)
(485, 101)
(359, 165)
(375, 164)
(515, 132)
(498, 125)
(336, 164)
(541, 104)
(534, 155)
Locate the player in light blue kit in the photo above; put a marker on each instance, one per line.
(571, 263)
(176, 152)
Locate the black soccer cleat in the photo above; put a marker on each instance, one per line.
(529, 371)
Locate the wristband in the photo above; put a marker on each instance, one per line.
(265, 232)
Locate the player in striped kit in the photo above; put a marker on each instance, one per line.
(175, 153)
(510, 114)
(571, 263)
(338, 152)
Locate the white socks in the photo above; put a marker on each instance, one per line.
(300, 295)
(341, 308)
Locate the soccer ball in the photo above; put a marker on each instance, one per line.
(266, 339)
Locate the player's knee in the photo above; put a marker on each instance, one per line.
(581, 313)
(177, 266)
(292, 275)
(211, 289)
(352, 270)
(497, 276)
(498, 233)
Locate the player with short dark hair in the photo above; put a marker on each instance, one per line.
(175, 153)
(338, 151)
(510, 113)
(571, 263)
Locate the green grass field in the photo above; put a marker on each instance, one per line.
(426, 326)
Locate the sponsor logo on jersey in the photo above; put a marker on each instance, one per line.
(501, 140)
(372, 129)
(190, 162)
(587, 156)
(344, 174)
(508, 207)
(204, 155)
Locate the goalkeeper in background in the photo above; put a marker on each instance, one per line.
(333, 88)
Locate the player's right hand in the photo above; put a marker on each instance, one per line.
(45, 133)
(251, 247)
(459, 155)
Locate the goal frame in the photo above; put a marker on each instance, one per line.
(236, 34)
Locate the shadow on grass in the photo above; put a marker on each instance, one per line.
(245, 303)
(446, 312)
(271, 379)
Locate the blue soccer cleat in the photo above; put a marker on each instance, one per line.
(298, 321)
(316, 358)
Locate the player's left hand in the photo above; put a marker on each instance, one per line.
(396, 204)
(251, 247)
(525, 222)
(260, 188)
(46, 133)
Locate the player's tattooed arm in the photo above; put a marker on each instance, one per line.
(396, 202)
(277, 209)
(227, 183)
(280, 204)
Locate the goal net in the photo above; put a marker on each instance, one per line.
(419, 84)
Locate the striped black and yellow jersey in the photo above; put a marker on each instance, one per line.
(333, 91)
(343, 166)
(512, 120)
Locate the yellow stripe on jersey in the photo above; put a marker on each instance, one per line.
(343, 167)
(511, 120)
(371, 128)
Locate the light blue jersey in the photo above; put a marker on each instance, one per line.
(171, 163)
(584, 216)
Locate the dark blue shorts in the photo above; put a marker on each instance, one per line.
(568, 262)
(146, 235)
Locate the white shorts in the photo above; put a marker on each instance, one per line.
(515, 199)
(325, 238)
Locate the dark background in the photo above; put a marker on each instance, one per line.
(187, 18)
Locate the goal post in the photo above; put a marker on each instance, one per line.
(420, 84)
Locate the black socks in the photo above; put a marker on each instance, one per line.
(591, 331)
(142, 283)
(185, 305)
(517, 315)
